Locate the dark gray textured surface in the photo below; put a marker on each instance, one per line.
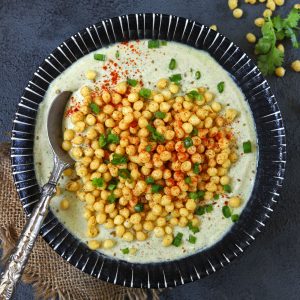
(29, 30)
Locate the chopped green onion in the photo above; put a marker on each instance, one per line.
(148, 148)
(177, 240)
(226, 211)
(139, 207)
(160, 115)
(194, 229)
(209, 208)
(124, 173)
(95, 108)
(188, 142)
(156, 136)
(175, 78)
(153, 44)
(235, 218)
(113, 184)
(150, 180)
(118, 159)
(194, 95)
(198, 75)
(98, 182)
(172, 64)
(216, 196)
(164, 43)
(132, 82)
(196, 195)
(247, 147)
(102, 141)
(117, 54)
(200, 210)
(111, 198)
(156, 188)
(98, 56)
(113, 138)
(125, 250)
(194, 132)
(196, 169)
(221, 86)
(187, 180)
(227, 188)
(192, 239)
(145, 93)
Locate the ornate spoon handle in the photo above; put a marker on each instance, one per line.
(20, 255)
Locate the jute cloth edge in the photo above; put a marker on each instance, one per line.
(50, 276)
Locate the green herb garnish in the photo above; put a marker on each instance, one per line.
(194, 229)
(98, 182)
(172, 64)
(139, 207)
(178, 239)
(188, 180)
(194, 132)
(113, 138)
(175, 78)
(98, 56)
(164, 43)
(200, 210)
(227, 188)
(194, 95)
(153, 44)
(198, 75)
(188, 142)
(95, 108)
(235, 218)
(132, 82)
(196, 169)
(117, 54)
(221, 86)
(111, 198)
(159, 115)
(156, 188)
(192, 239)
(196, 195)
(102, 141)
(226, 211)
(216, 196)
(155, 136)
(124, 173)
(247, 147)
(145, 93)
(150, 180)
(148, 148)
(112, 185)
(119, 159)
(125, 250)
(209, 208)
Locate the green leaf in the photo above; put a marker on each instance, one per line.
(178, 239)
(99, 56)
(172, 64)
(209, 208)
(221, 86)
(227, 188)
(132, 82)
(196, 169)
(102, 141)
(200, 210)
(139, 207)
(175, 78)
(198, 75)
(192, 239)
(188, 142)
(194, 132)
(148, 148)
(98, 182)
(187, 180)
(153, 44)
(117, 54)
(293, 18)
(226, 211)
(267, 63)
(235, 218)
(119, 159)
(216, 196)
(247, 147)
(155, 136)
(95, 108)
(145, 93)
(194, 229)
(113, 138)
(194, 95)
(160, 115)
(111, 198)
(112, 185)
(150, 180)
(124, 173)
(156, 188)
(125, 250)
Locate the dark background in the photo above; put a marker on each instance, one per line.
(29, 30)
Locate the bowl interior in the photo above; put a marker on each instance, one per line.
(270, 140)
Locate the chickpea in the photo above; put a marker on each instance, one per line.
(65, 204)
(153, 106)
(271, 5)
(93, 244)
(141, 236)
(237, 13)
(128, 236)
(108, 244)
(164, 107)
(91, 75)
(162, 83)
(66, 145)
(213, 27)
(259, 22)
(234, 202)
(280, 72)
(187, 127)
(159, 232)
(296, 65)
(167, 240)
(85, 91)
(232, 4)
(174, 88)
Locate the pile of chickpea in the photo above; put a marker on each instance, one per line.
(127, 114)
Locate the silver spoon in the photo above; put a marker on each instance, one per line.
(17, 261)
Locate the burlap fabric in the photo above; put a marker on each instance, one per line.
(50, 275)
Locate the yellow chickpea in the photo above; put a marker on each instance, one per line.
(65, 204)
(237, 13)
(153, 106)
(108, 244)
(296, 65)
(85, 91)
(187, 127)
(93, 244)
(231, 114)
(280, 71)
(128, 236)
(174, 88)
(280, 47)
(159, 231)
(234, 202)
(162, 83)
(164, 107)
(69, 134)
(141, 236)
(167, 240)
(259, 22)
(271, 5)
(67, 146)
(91, 75)
(232, 4)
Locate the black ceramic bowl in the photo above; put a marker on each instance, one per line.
(270, 135)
